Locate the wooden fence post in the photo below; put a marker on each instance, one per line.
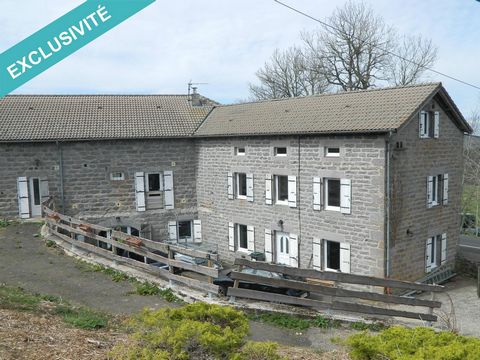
(170, 267)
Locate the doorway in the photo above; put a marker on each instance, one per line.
(282, 245)
(35, 197)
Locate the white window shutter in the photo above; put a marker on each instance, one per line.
(345, 196)
(429, 191)
(23, 198)
(317, 254)
(316, 194)
(428, 252)
(436, 128)
(231, 236)
(345, 258)
(250, 187)
(292, 191)
(268, 189)
(445, 189)
(421, 126)
(168, 186)
(172, 230)
(251, 238)
(44, 189)
(443, 256)
(197, 231)
(293, 242)
(268, 245)
(230, 185)
(140, 190)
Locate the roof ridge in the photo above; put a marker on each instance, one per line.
(437, 84)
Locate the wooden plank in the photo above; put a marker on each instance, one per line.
(142, 251)
(330, 291)
(336, 305)
(340, 277)
(194, 283)
(150, 243)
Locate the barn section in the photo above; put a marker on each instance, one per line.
(121, 161)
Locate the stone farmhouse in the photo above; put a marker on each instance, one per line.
(364, 182)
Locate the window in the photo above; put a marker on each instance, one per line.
(437, 190)
(281, 189)
(117, 176)
(332, 194)
(185, 230)
(241, 182)
(239, 151)
(280, 151)
(241, 237)
(332, 255)
(435, 252)
(154, 190)
(332, 152)
(429, 122)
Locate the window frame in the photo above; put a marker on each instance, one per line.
(437, 190)
(332, 154)
(237, 238)
(276, 154)
(325, 255)
(238, 153)
(328, 207)
(276, 182)
(120, 178)
(160, 182)
(434, 258)
(186, 239)
(237, 186)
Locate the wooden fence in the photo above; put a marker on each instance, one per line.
(365, 302)
(69, 229)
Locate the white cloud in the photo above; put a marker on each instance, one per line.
(223, 43)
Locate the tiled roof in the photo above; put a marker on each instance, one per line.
(88, 117)
(378, 110)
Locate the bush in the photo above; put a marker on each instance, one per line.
(197, 331)
(399, 343)
(253, 350)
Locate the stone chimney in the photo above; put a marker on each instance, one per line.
(195, 97)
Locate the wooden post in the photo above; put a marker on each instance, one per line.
(430, 309)
(235, 284)
(170, 267)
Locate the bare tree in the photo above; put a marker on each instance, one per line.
(415, 55)
(287, 74)
(354, 52)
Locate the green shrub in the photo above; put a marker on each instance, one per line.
(199, 330)
(399, 343)
(4, 223)
(146, 288)
(253, 350)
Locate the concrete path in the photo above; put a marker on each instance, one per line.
(27, 262)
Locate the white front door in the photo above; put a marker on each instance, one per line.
(282, 246)
(35, 197)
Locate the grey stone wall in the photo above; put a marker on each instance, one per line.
(89, 192)
(362, 160)
(410, 167)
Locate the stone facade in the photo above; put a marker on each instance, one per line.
(362, 159)
(200, 175)
(90, 193)
(411, 165)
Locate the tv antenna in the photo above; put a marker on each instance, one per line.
(190, 86)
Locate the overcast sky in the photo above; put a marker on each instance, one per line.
(223, 43)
